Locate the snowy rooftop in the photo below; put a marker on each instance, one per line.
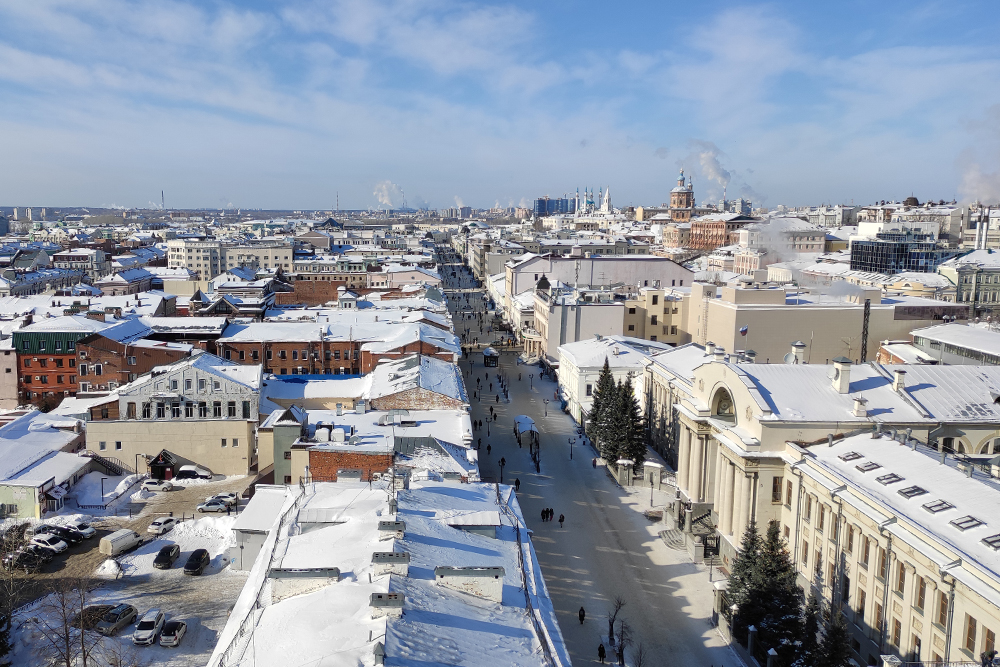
(331, 622)
(980, 339)
(452, 426)
(926, 481)
(32, 437)
(620, 351)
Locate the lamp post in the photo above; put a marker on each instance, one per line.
(546, 402)
(102, 489)
(531, 376)
(137, 462)
(572, 441)
(503, 462)
(650, 490)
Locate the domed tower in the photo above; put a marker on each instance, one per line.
(682, 200)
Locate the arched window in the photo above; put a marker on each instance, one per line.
(723, 406)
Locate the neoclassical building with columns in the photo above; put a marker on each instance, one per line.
(744, 439)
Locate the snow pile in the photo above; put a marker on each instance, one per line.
(109, 569)
(212, 533)
(142, 494)
(88, 490)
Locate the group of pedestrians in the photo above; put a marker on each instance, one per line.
(548, 513)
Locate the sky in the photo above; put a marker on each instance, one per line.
(435, 103)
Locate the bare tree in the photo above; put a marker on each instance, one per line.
(114, 653)
(624, 640)
(639, 655)
(64, 637)
(616, 606)
(15, 587)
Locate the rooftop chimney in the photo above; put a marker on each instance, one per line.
(859, 407)
(709, 348)
(750, 356)
(898, 380)
(841, 375)
(799, 350)
(720, 354)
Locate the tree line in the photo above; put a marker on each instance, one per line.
(614, 421)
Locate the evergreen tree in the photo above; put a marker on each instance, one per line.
(632, 438)
(810, 632)
(614, 424)
(834, 649)
(780, 598)
(604, 395)
(742, 584)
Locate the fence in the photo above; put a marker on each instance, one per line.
(535, 621)
(233, 652)
(128, 491)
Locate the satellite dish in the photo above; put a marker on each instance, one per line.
(834, 373)
(789, 358)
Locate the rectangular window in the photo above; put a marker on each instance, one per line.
(187, 384)
(590, 390)
(865, 551)
(288, 456)
(281, 354)
(850, 539)
(118, 444)
(862, 599)
(83, 370)
(223, 442)
(201, 384)
(788, 493)
(175, 410)
(288, 479)
(203, 409)
(146, 411)
(130, 361)
(161, 411)
(883, 563)
(897, 630)
(336, 355)
(246, 409)
(254, 355)
(901, 578)
(189, 410)
(776, 483)
(236, 442)
(877, 621)
(656, 299)
(173, 385)
(216, 385)
(98, 369)
(130, 411)
(921, 593)
(970, 634)
(652, 319)
(243, 355)
(989, 641)
(822, 517)
(217, 409)
(102, 445)
(805, 553)
(231, 409)
(942, 618)
(809, 508)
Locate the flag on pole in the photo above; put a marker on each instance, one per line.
(744, 330)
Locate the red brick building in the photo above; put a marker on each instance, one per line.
(325, 464)
(712, 231)
(105, 364)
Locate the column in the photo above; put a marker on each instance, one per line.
(697, 465)
(743, 503)
(727, 497)
(719, 477)
(683, 453)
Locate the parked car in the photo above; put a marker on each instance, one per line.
(22, 560)
(91, 616)
(43, 554)
(214, 505)
(84, 529)
(197, 562)
(158, 485)
(116, 619)
(166, 557)
(228, 497)
(148, 628)
(51, 542)
(192, 472)
(173, 633)
(67, 535)
(161, 525)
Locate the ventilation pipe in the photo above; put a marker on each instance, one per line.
(750, 356)
(841, 375)
(709, 348)
(898, 380)
(799, 351)
(720, 354)
(859, 407)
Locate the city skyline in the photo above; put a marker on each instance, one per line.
(290, 106)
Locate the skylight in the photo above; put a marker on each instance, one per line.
(868, 467)
(890, 478)
(938, 506)
(849, 456)
(992, 541)
(912, 492)
(966, 522)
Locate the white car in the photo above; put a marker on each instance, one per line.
(229, 497)
(173, 633)
(51, 542)
(161, 525)
(85, 529)
(157, 485)
(148, 629)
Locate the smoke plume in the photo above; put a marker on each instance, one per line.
(458, 202)
(389, 194)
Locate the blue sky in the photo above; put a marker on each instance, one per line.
(286, 104)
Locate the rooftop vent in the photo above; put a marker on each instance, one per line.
(868, 466)
(966, 522)
(850, 456)
(938, 506)
(912, 492)
(992, 541)
(888, 479)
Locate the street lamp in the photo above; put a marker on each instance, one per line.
(531, 376)
(102, 489)
(650, 490)
(546, 402)
(572, 440)
(503, 462)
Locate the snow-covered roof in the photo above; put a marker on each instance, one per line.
(421, 371)
(332, 622)
(453, 426)
(982, 258)
(980, 339)
(620, 351)
(263, 509)
(32, 437)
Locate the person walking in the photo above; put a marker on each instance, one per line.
(544, 512)
(489, 448)
(480, 445)
(594, 462)
(498, 399)
(517, 484)
(601, 653)
(583, 615)
(561, 519)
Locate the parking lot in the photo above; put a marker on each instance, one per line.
(201, 601)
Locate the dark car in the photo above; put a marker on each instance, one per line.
(43, 554)
(91, 616)
(22, 560)
(197, 562)
(70, 537)
(166, 557)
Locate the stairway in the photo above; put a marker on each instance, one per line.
(114, 466)
(674, 539)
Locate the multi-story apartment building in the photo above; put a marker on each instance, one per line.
(711, 231)
(210, 257)
(202, 410)
(201, 256)
(568, 316)
(105, 363)
(92, 262)
(657, 315)
(263, 255)
(974, 280)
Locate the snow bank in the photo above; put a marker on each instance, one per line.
(88, 490)
(141, 494)
(109, 569)
(212, 533)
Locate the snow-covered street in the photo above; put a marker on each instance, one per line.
(607, 548)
